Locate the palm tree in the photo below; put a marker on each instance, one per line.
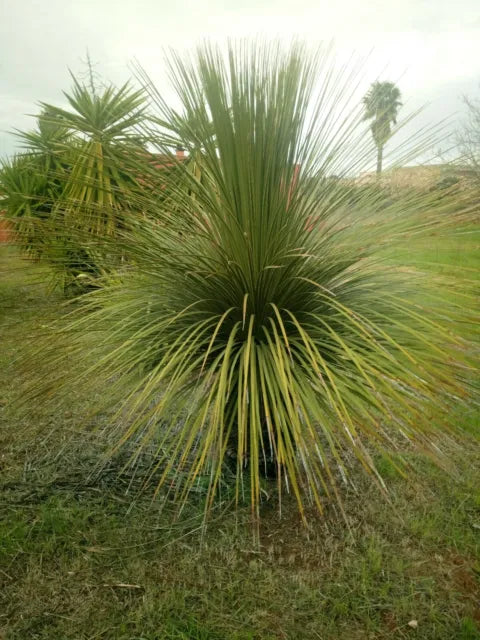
(382, 103)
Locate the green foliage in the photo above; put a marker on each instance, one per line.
(72, 187)
(98, 187)
(264, 325)
(469, 630)
(28, 199)
(32, 182)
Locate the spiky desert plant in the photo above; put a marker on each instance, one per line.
(72, 186)
(266, 324)
(96, 197)
(103, 126)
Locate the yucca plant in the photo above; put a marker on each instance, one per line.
(104, 128)
(95, 201)
(75, 179)
(266, 326)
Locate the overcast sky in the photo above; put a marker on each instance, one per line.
(431, 48)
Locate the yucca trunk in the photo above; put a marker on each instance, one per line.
(237, 457)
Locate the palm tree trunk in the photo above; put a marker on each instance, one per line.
(379, 159)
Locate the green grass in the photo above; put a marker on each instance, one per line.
(446, 254)
(84, 556)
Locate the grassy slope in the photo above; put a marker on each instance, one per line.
(80, 560)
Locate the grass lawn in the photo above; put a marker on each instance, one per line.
(83, 556)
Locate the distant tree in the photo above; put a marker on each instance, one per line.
(382, 103)
(468, 137)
